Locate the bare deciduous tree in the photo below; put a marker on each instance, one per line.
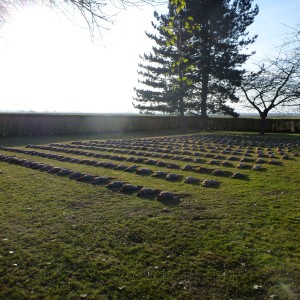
(93, 11)
(276, 83)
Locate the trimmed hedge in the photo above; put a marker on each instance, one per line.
(19, 124)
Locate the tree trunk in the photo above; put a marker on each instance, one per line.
(205, 71)
(203, 106)
(181, 115)
(263, 123)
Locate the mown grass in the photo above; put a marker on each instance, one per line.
(61, 239)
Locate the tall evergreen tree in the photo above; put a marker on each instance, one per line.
(167, 72)
(197, 61)
(219, 46)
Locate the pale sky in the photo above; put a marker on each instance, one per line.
(49, 64)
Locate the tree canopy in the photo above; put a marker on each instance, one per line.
(202, 48)
(220, 44)
(167, 72)
(276, 82)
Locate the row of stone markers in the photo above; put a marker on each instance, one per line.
(109, 182)
(187, 144)
(197, 154)
(259, 157)
(172, 177)
(202, 140)
(62, 148)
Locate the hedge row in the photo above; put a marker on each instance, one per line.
(64, 124)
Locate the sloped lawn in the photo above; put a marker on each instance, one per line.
(236, 238)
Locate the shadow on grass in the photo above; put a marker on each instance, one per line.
(14, 141)
(170, 202)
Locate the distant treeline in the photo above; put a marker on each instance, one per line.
(27, 124)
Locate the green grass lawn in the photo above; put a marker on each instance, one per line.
(63, 239)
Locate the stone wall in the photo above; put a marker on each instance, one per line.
(17, 124)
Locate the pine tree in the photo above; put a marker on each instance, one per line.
(196, 64)
(167, 73)
(219, 46)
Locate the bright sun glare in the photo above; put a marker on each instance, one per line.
(50, 64)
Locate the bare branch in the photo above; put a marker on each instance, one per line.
(277, 81)
(96, 13)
